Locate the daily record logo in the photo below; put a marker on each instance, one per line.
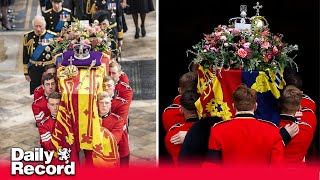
(40, 155)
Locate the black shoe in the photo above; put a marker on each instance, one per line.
(143, 31)
(7, 27)
(136, 36)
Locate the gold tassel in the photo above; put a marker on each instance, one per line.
(28, 44)
(91, 9)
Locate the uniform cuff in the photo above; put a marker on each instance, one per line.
(120, 34)
(25, 69)
(286, 138)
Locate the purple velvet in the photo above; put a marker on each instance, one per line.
(94, 55)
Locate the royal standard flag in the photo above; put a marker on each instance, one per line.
(217, 85)
(78, 124)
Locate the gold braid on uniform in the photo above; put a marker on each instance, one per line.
(91, 9)
(28, 44)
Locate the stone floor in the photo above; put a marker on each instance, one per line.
(16, 118)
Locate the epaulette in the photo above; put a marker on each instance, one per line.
(117, 116)
(269, 122)
(175, 126)
(121, 99)
(218, 123)
(28, 32)
(66, 9)
(51, 32)
(38, 87)
(44, 120)
(177, 97)
(307, 97)
(172, 106)
(35, 101)
(303, 123)
(303, 109)
(46, 11)
(125, 84)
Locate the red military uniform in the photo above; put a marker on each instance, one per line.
(124, 78)
(174, 149)
(296, 149)
(124, 91)
(245, 141)
(114, 124)
(120, 107)
(308, 103)
(46, 127)
(177, 99)
(40, 108)
(172, 115)
(38, 92)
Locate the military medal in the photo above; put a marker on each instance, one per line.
(47, 49)
(48, 56)
(103, 2)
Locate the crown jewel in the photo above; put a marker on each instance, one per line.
(81, 51)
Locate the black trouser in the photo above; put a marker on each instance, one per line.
(124, 161)
(35, 73)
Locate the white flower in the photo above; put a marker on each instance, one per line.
(246, 45)
(223, 38)
(226, 44)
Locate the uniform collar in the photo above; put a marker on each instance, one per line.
(53, 117)
(44, 32)
(57, 11)
(115, 94)
(192, 119)
(245, 114)
(106, 115)
(288, 117)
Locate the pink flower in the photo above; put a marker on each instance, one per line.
(105, 37)
(264, 33)
(94, 41)
(217, 34)
(275, 50)
(101, 33)
(78, 33)
(92, 31)
(60, 39)
(223, 38)
(214, 49)
(86, 41)
(265, 45)
(256, 40)
(246, 45)
(234, 31)
(231, 62)
(99, 40)
(98, 29)
(242, 53)
(269, 56)
(273, 63)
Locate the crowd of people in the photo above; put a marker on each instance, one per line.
(244, 140)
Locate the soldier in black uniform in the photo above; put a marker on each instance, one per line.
(46, 5)
(113, 13)
(37, 52)
(57, 16)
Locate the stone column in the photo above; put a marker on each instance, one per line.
(3, 50)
